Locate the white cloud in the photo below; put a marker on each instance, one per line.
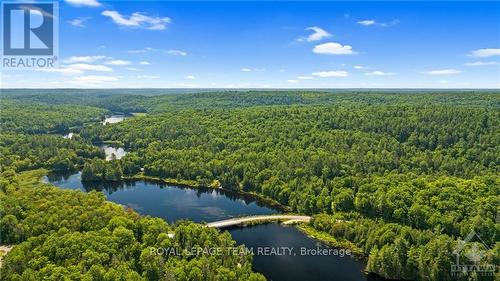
(483, 53)
(318, 34)
(148, 77)
(89, 67)
(374, 22)
(366, 22)
(481, 63)
(149, 49)
(77, 68)
(333, 73)
(379, 73)
(246, 69)
(133, 69)
(118, 62)
(80, 3)
(93, 79)
(442, 72)
(386, 24)
(305, 77)
(79, 22)
(144, 63)
(138, 20)
(333, 49)
(360, 67)
(176, 53)
(61, 70)
(292, 81)
(140, 51)
(84, 59)
(190, 77)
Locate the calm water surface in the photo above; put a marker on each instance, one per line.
(169, 202)
(113, 152)
(114, 119)
(173, 203)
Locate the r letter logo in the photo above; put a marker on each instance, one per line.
(29, 34)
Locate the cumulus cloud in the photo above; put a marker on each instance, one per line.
(442, 72)
(148, 77)
(140, 51)
(291, 81)
(333, 73)
(366, 22)
(77, 68)
(86, 59)
(481, 63)
(318, 34)
(94, 79)
(483, 53)
(144, 63)
(79, 22)
(360, 67)
(61, 70)
(89, 67)
(138, 20)
(333, 48)
(374, 22)
(379, 73)
(190, 77)
(176, 53)
(305, 77)
(81, 3)
(118, 62)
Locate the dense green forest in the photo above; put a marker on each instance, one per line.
(400, 175)
(36, 118)
(69, 235)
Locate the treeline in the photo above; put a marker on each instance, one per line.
(102, 170)
(422, 168)
(28, 138)
(412, 171)
(62, 234)
(296, 154)
(22, 152)
(404, 253)
(163, 100)
(42, 118)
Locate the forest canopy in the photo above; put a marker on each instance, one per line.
(406, 173)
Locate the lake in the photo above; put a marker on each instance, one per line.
(69, 136)
(114, 119)
(113, 152)
(173, 203)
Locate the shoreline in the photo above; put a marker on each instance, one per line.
(196, 185)
(330, 240)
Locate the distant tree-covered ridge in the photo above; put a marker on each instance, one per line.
(40, 118)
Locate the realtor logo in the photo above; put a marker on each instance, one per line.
(471, 257)
(29, 34)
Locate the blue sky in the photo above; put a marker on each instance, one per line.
(272, 44)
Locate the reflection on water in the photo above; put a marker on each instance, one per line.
(68, 136)
(113, 119)
(173, 203)
(113, 152)
(297, 266)
(167, 201)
